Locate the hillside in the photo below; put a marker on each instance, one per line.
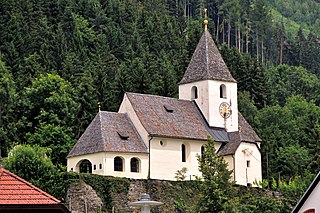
(304, 14)
(59, 59)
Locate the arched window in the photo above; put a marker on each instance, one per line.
(194, 92)
(85, 167)
(134, 165)
(202, 151)
(223, 91)
(183, 152)
(118, 164)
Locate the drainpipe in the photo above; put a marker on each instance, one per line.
(149, 157)
(234, 168)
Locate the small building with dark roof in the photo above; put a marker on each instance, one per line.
(154, 137)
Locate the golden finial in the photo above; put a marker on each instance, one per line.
(99, 105)
(205, 20)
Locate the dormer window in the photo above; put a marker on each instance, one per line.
(223, 91)
(194, 93)
(123, 135)
(168, 108)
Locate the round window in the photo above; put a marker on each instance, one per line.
(163, 143)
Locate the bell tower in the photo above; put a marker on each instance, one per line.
(210, 84)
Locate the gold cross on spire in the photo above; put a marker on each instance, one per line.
(205, 20)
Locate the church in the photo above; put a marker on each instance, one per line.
(154, 137)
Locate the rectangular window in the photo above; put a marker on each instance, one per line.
(183, 150)
(100, 166)
(248, 163)
(94, 167)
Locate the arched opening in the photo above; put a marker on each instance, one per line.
(223, 91)
(118, 164)
(194, 92)
(202, 151)
(85, 166)
(134, 165)
(183, 152)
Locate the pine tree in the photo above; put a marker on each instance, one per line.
(216, 186)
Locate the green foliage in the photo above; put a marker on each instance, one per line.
(246, 106)
(33, 164)
(305, 12)
(7, 104)
(249, 75)
(292, 190)
(95, 51)
(54, 137)
(49, 108)
(216, 185)
(287, 159)
(289, 80)
(289, 133)
(181, 174)
(106, 187)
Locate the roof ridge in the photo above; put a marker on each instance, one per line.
(112, 112)
(158, 96)
(135, 129)
(100, 129)
(30, 184)
(207, 54)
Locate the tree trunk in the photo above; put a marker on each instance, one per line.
(217, 29)
(1, 113)
(239, 36)
(242, 42)
(229, 31)
(236, 36)
(262, 52)
(257, 45)
(223, 33)
(177, 8)
(281, 49)
(247, 36)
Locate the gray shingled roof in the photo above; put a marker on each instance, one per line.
(206, 63)
(109, 132)
(245, 134)
(246, 131)
(171, 117)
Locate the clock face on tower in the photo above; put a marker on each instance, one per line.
(225, 110)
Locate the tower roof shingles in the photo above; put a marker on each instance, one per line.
(206, 63)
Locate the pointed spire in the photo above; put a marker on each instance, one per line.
(207, 63)
(99, 106)
(205, 20)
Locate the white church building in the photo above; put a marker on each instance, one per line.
(154, 137)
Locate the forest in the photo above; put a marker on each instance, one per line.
(60, 59)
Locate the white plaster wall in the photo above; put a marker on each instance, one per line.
(229, 160)
(95, 159)
(215, 119)
(167, 159)
(244, 174)
(313, 201)
(143, 170)
(203, 96)
(107, 161)
(126, 107)
(209, 101)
